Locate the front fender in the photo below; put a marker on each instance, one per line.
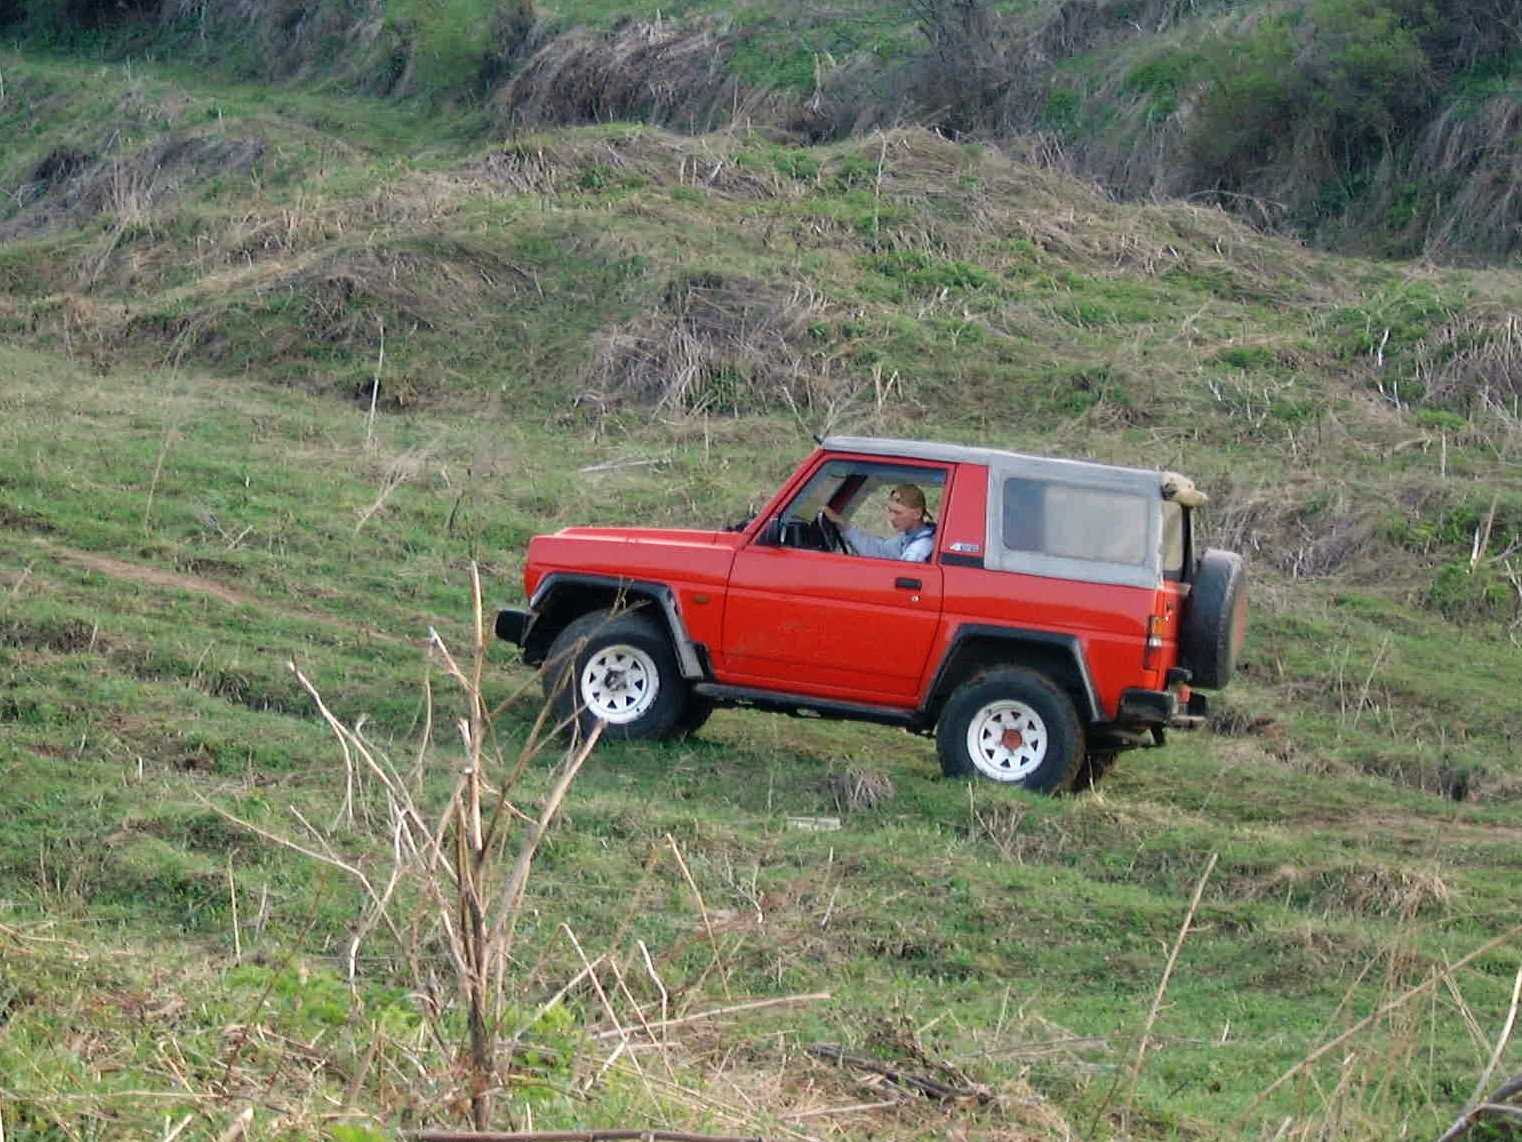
(563, 596)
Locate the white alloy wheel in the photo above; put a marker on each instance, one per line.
(619, 683)
(1006, 740)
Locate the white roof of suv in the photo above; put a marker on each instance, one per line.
(1038, 467)
(1118, 545)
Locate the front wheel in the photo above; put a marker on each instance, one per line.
(618, 669)
(1012, 726)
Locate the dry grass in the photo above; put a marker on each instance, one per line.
(861, 789)
(725, 345)
(1474, 363)
(553, 164)
(70, 186)
(666, 74)
(1478, 152)
(1366, 889)
(1304, 527)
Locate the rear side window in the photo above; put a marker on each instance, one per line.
(1175, 540)
(1073, 522)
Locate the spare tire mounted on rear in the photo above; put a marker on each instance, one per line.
(1215, 620)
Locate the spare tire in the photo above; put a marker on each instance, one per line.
(1215, 620)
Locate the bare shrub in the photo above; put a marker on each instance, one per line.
(446, 887)
(969, 73)
(987, 72)
(296, 36)
(725, 345)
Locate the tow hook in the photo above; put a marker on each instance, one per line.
(1192, 711)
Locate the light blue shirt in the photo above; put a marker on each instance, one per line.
(913, 546)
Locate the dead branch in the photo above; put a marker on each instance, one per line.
(919, 1084)
(1492, 1105)
(1495, 1106)
(1162, 986)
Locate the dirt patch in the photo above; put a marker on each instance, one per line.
(1427, 832)
(126, 572)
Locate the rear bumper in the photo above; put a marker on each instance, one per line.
(513, 625)
(1161, 708)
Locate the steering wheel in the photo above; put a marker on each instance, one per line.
(830, 530)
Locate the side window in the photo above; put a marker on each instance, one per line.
(1175, 540)
(818, 492)
(1074, 522)
(859, 490)
(1024, 515)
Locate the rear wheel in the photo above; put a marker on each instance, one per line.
(618, 669)
(1013, 726)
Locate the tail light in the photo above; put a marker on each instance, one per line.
(1156, 626)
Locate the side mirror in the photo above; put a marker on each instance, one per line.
(771, 534)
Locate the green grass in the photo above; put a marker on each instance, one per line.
(193, 495)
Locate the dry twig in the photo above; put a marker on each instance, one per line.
(918, 1084)
(755, 1005)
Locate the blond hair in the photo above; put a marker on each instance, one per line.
(911, 496)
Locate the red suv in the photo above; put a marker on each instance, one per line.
(1063, 614)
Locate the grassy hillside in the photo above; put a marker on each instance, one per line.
(1376, 126)
(201, 289)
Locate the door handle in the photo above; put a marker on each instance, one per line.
(908, 584)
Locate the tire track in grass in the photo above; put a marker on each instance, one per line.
(125, 571)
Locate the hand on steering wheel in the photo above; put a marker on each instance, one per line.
(833, 539)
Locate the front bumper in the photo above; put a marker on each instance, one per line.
(513, 624)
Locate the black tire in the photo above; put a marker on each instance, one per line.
(1215, 621)
(694, 716)
(983, 712)
(618, 668)
(1096, 763)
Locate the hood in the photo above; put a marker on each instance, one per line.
(677, 535)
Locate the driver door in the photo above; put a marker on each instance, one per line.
(832, 625)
